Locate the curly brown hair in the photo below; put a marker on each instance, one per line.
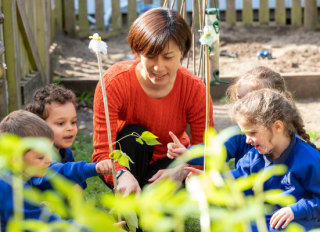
(47, 95)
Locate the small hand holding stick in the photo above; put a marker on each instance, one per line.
(98, 46)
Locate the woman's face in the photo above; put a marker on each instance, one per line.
(161, 70)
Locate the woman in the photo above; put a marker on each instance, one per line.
(154, 93)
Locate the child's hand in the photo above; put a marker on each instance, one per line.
(282, 216)
(193, 171)
(104, 167)
(176, 148)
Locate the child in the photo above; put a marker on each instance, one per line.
(57, 106)
(254, 79)
(26, 124)
(275, 130)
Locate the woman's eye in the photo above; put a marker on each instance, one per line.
(168, 58)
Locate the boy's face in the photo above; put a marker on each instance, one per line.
(35, 164)
(63, 121)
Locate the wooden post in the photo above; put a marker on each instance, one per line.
(195, 11)
(10, 33)
(183, 12)
(280, 12)
(247, 13)
(310, 14)
(148, 1)
(132, 11)
(100, 15)
(296, 13)
(231, 17)
(264, 15)
(212, 3)
(116, 15)
(83, 17)
(69, 18)
(58, 15)
(42, 36)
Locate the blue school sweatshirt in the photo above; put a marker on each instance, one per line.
(236, 148)
(67, 156)
(302, 180)
(75, 171)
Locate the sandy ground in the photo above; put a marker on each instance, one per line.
(294, 50)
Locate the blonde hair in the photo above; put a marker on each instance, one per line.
(265, 106)
(25, 124)
(259, 77)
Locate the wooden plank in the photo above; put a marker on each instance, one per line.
(69, 18)
(28, 85)
(132, 11)
(99, 15)
(26, 35)
(310, 20)
(296, 13)
(195, 15)
(9, 30)
(264, 15)
(83, 15)
(148, 1)
(247, 13)
(280, 12)
(231, 12)
(116, 15)
(52, 20)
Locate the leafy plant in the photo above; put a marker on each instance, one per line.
(219, 201)
(85, 99)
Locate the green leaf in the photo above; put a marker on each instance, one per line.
(124, 160)
(139, 140)
(132, 221)
(149, 138)
(121, 157)
(115, 154)
(276, 196)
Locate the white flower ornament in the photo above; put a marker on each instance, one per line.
(97, 45)
(207, 37)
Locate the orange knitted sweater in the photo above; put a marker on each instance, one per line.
(129, 104)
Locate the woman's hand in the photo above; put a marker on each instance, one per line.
(176, 148)
(177, 174)
(282, 216)
(127, 184)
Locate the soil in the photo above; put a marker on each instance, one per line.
(293, 50)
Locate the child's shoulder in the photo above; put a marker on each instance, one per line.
(306, 153)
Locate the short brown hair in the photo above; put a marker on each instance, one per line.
(151, 32)
(25, 124)
(47, 95)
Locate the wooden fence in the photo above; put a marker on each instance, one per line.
(78, 25)
(29, 26)
(25, 33)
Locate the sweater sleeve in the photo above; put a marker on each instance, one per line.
(308, 208)
(196, 112)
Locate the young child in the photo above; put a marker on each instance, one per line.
(275, 130)
(26, 124)
(254, 79)
(57, 106)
